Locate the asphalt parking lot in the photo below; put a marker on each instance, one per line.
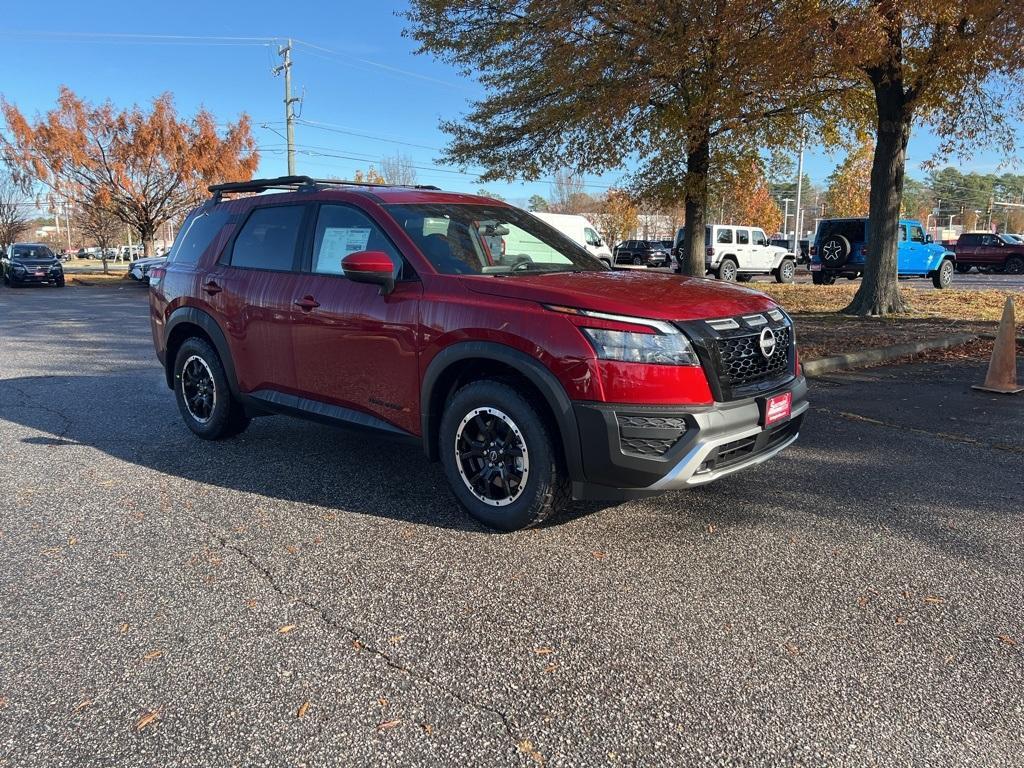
(300, 596)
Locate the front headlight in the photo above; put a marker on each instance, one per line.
(18, 267)
(650, 348)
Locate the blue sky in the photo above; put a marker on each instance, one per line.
(359, 74)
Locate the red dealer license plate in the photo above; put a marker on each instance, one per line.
(778, 408)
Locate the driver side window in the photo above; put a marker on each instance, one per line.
(341, 230)
(917, 234)
(591, 237)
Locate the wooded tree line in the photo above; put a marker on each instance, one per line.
(686, 87)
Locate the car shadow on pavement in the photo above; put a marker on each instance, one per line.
(278, 457)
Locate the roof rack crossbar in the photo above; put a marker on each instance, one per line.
(299, 182)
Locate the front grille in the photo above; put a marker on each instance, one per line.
(730, 351)
(743, 363)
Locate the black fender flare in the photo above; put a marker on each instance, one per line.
(204, 320)
(535, 372)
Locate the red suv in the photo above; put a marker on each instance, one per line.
(986, 250)
(532, 372)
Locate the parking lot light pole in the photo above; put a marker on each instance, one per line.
(799, 189)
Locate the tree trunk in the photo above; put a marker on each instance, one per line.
(148, 237)
(691, 256)
(879, 292)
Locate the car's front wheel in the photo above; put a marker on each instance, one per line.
(203, 395)
(500, 457)
(822, 278)
(943, 276)
(786, 271)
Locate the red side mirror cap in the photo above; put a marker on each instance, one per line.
(373, 267)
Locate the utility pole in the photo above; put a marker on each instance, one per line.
(799, 188)
(285, 51)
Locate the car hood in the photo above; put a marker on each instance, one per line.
(657, 296)
(35, 263)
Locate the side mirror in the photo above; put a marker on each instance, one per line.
(929, 239)
(370, 267)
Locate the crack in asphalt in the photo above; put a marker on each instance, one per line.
(30, 403)
(358, 639)
(947, 436)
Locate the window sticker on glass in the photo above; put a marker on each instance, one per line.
(337, 243)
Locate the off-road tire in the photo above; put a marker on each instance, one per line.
(228, 417)
(963, 269)
(786, 271)
(727, 270)
(547, 489)
(1014, 265)
(943, 276)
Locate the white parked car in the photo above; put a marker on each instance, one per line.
(579, 230)
(734, 252)
(139, 269)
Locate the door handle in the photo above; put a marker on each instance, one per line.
(307, 303)
(212, 288)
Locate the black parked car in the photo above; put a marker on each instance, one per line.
(25, 263)
(644, 253)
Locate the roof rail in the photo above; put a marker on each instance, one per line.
(299, 182)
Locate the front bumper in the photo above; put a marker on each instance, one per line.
(631, 451)
(32, 277)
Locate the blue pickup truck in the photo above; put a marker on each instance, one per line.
(841, 245)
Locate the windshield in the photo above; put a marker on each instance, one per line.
(31, 252)
(1010, 239)
(489, 240)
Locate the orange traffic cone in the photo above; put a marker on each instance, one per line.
(1002, 368)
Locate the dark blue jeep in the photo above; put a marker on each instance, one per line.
(841, 246)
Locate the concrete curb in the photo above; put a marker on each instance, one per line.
(882, 354)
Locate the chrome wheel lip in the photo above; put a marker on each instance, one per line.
(212, 387)
(523, 470)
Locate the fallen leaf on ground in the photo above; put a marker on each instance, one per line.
(792, 649)
(599, 555)
(387, 725)
(712, 528)
(286, 629)
(1006, 640)
(551, 667)
(292, 549)
(124, 629)
(934, 599)
(357, 645)
(303, 710)
(72, 541)
(147, 719)
(82, 705)
(396, 639)
(427, 728)
(543, 651)
(153, 655)
(863, 601)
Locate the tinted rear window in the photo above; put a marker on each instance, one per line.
(196, 236)
(268, 238)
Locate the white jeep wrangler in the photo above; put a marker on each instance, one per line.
(735, 252)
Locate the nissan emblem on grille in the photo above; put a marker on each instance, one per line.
(767, 343)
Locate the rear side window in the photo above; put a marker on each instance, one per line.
(341, 230)
(968, 240)
(196, 236)
(268, 238)
(725, 235)
(742, 237)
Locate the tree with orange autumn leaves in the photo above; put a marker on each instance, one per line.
(740, 195)
(146, 166)
(849, 185)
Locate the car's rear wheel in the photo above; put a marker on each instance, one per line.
(203, 395)
(500, 457)
(963, 269)
(1014, 265)
(943, 276)
(786, 271)
(727, 271)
